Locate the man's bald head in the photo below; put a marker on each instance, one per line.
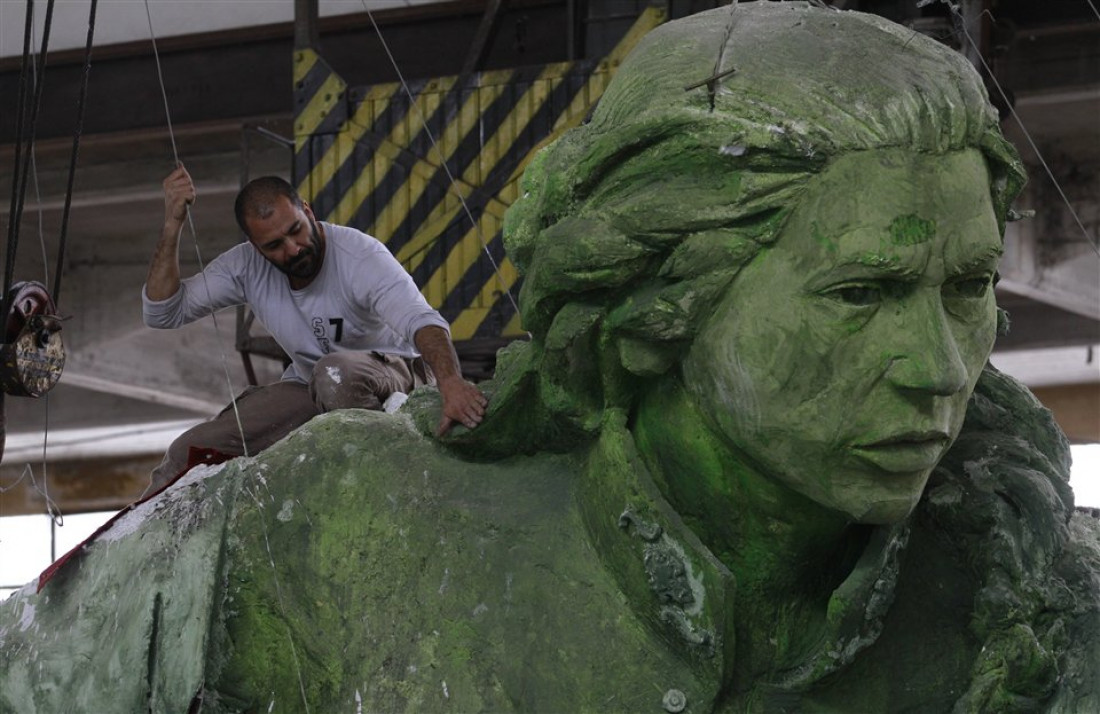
(259, 197)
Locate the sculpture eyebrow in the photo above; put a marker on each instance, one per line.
(881, 263)
(981, 260)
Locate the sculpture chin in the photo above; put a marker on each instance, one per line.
(889, 511)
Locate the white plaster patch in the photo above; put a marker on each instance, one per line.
(26, 617)
(394, 402)
(132, 520)
(481, 609)
(732, 150)
(301, 459)
(446, 692)
(23, 592)
(334, 374)
(358, 702)
(286, 513)
(776, 129)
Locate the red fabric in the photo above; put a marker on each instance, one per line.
(195, 457)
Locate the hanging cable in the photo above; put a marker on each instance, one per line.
(1094, 10)
(38, 194)
(76, 149)
(56, 517)
(32, 130)
(442, 160)
(20, 128)
(1004, 96)
(28, 472)
(32, 74)
(194, 235)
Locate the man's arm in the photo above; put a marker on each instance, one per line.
(163, 280)
(463, 403)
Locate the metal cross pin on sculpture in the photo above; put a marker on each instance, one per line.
(711, 82)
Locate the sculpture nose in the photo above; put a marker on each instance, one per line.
(927, 359)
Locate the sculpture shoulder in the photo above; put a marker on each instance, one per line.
(412, 580)
(137, 599)
(1001, 504)
(1079, 568)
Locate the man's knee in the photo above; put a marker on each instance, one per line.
(174, 462)
(339, 383)
(357, 380)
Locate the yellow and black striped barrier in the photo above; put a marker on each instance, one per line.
(363, 157)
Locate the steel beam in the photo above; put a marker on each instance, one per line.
(1076, 408)
(307, 32)
(486, 29)
(78, 486)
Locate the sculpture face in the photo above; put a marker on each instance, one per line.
(841, 359)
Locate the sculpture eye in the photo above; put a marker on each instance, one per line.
(857, 295)
(969, 287)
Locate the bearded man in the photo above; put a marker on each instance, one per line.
(343, 309)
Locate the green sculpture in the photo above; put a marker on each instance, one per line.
(752, 459)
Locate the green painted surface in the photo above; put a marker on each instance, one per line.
(911, 229)
(751, 460)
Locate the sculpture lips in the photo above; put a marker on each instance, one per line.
(905, 453)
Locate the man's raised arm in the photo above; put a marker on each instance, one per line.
(163, 280)
(463, 403)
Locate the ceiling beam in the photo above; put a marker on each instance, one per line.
(75, 486)
(1076, 408)
(136, 391)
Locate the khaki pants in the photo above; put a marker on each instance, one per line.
(342, 380)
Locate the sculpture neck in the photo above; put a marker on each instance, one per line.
(780, 545)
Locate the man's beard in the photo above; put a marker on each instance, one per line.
(306, 264)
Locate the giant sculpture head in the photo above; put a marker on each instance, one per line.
(807, 240)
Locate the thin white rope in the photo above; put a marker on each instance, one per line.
(41, 228)
(34, 170)
(1094, 10)
(28, 472)
(236, 412)
(442, 160)
(194, 236)
(52, 510)
(279, 592)
(1000, 90)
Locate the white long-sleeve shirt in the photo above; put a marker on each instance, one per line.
(362, 299)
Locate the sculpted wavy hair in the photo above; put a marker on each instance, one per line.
(631, 227)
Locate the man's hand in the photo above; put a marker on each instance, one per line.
(179, 193)
(163, 280)
(463, 403)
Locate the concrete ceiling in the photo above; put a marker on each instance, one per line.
(117, 21)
